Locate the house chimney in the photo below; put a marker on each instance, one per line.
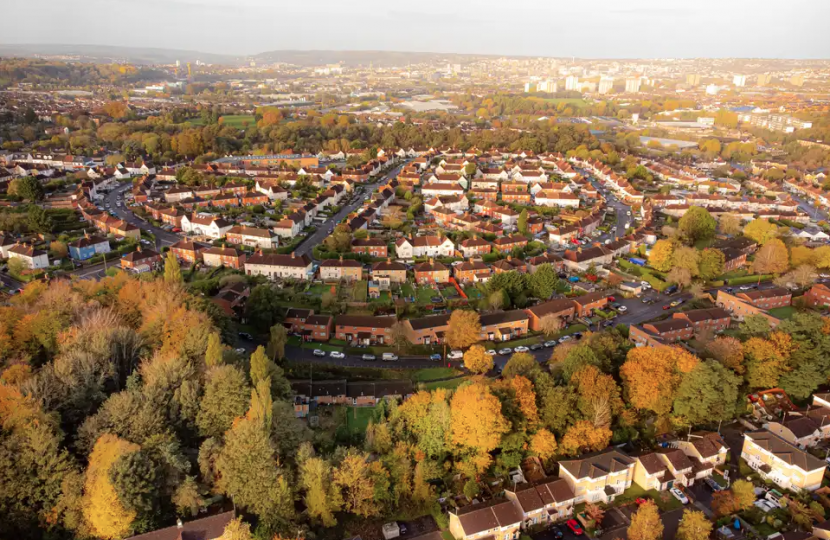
(388, 259)
(179, 524)
(139, 248)
(292, 254)
(509, 258)
(431, 261)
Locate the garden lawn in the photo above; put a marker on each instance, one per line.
(237, 120)
(430, 374)
(783, 313)
(407, 290)
(357, 419)
(451, 384)
(360, 292)
(425, 294)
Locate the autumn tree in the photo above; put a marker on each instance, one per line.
(696, 224)
(802, 255)
(550, 324)
(526, 399)
(226, 398)
(772, 258)
(543, 444)
(743, 492)
(584, 436)
(464, 329)
(477, 422)
(761, 231)
(767, 360)
(172, 269)
(598, 395)
(520, 363)
(711, 263)
(728, 351)
(651, 376)
(277, 340)
(694, 525)
(354, 480)
(322, 498)
(103, 511)
(686, 258)
(477, 360)
(730, 224)
(213, 353)
(646, 523)
(681, 277)
(662, 255)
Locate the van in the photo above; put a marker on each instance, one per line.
(389, 357)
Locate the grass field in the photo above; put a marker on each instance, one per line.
(782, 312)
(452, 384)
(355, 419)
(232, 120)
(425, 294)
(430, 374)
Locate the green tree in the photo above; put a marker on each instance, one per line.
(696, 224)
(521, 363)
(708, 393)
(172, 269)
(522, 223)
(694, 525)
(321, 498)
(543, 282)
(711, 263)
(264, 369)
(662, 255)
(38, 220)
(28, 188)
(277, 340)
(213, 353)
(262, 307)
(577, 358)
(226, 398)
(646, 523)
(761, 230)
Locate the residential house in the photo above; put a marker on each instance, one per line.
(472, 272)
(661, 332)
(504, 325)
(34, 259)
(289, 227)
(187, 251)
(6, 243)
(140, 260)
(395, 272)
(598, 477)
(206, 225)
(706, 451)
(206, 528)
(510, 265)
(341, 269)
(542, 502)
(279, 266)
(424, 246)
(88, 246)
(781, 462)
(472, 247)
(231, 299)
(562, 308)
(509, 243)
(587, 303)
(800, 430)
(651, 472)
(557, 198)
(364, 329)
(714, 319)
(739, 308)
(767, 299)
(818, 295)
(310, 326)
(497, 519)
(223, 256)
(431, 272)
(251, 236)
(370, 246)
(427, 330)
(583, 259)
(369, 393)
(272, 189)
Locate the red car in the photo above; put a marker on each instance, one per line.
(176, 229)
(573, 525)
(667, 306)
(641, 500)
(612, 299)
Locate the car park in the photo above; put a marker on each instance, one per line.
(369, 357)
(677, 494)
(505, 351)
(455, 355)
(318, 352)
(337, 354)
(521, 348)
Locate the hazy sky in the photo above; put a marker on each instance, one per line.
(585, 28)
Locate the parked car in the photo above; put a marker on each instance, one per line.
(551, 343)
(574, 526)
(557, 533)
(622, 309)
(521, 348)
(238, 350)
(577, 335)
(505, 351)
(563, 339)
(645, 285)
(675, 303)
(612, 299)
(641, 500)
(246, 335)
(436, 357)
(677, 494)
(491, 352)
(369, 357)
(764, 505)
(535, 346)
(455, 355)
(714, 486)
(337, 354)
(745, 287)
(667, 306)
(389, 357)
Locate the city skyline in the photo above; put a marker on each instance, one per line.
(644, 29)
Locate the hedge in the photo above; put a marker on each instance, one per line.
(750, 279)
(655, 282)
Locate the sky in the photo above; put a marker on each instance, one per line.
(585, 29)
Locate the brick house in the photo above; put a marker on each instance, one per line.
(395, 272)
(733, 259)
(472, 272)
(715, 319)
(232, 299)
(279, 266)
(364, 329)
(140, 260)
(508, 243)
(504, 325)
(341, 269)
(431, 272)
(767, 299)
(370, 246)
(475, 246)
(667, 331)
(310, 326)
(564, 308)
(586, 304)
(740, 309)
(510, 265)
(427, 330)
(187, 251)
(818, 295)
(223, 256)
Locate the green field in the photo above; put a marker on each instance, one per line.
(232, 120)
(579, 102)
(430, 374)
(782, 313)
(355, 419)
(452, 384)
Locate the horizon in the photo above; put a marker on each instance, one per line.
(645, 29)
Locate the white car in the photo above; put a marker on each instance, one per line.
(745, 287)
(622, 309)
(763, 505)
(455, 355)
(564, 339)
(505, 351)
(679, 496)
(521, 348)
(551, 343)
(337, 354)
(240, 350)
(491, 352)
(318, 352)
(645, 284)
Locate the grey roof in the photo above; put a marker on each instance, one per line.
(784, 451)
(598, 465)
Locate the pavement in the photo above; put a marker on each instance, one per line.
(325, 228)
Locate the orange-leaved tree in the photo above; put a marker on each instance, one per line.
(651, 376)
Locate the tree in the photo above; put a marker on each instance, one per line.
(188, 497)
(804, 275)
(723, 503)
(696, 224)
(543, 281)
(708, 393)
(105, 514)
(651, 376)
(526, 399)
(577, 358)
(262, 307)
(729, 352)
(321, 498)
(584, 436)
(686, 258)
(28, 188)
(802, 255)
(226, 398)
(172, 270)
(646, 523)
(477, 422)
(595, 512)
(800, 514)
(598, 395)
(744, 494)
(58, 250)
(400, 336)
(464, 329)
(213, 353)
(694, 525)
(16, 267)
(761, 230)
(264, 369)
(354, 480)
(755, 325)
(550, 324)
(38, 220)
(711, 263)
(477, 360)
(681, 277)
(522, 223)
(772, 258)
(822, 256)
(277, 340)
(543, 444)
(730, 224)
(237, 530)
(520, 363)
(662, 255)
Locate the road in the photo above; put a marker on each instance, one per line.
(163, 238)
(812, 211)
(323, 231)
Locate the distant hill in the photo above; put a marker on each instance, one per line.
(106, 53)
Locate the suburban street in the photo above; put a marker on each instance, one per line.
(163, 237)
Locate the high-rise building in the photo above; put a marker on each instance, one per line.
(529, 87)
(797, 80)
(739, 80)
(548, 86)
(605, 85)
(764, 79)
(693, 79)
(632, 86)
(571, 82)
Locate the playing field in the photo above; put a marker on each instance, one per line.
(233, 120)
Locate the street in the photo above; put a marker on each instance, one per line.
(163, 238)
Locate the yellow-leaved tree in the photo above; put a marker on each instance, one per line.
(477, 422)
(103, 511)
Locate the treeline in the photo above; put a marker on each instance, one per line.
(54, 73)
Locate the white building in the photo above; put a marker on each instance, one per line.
(632, 86)
(34, 259)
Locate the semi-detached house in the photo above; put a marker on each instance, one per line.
(542, 502)
(275, 266)
(782, 462)
(494, 520)
(251, 236)
(424, 246)
(210, 226)
(364, 329)
(598, 477)
(341, 269)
